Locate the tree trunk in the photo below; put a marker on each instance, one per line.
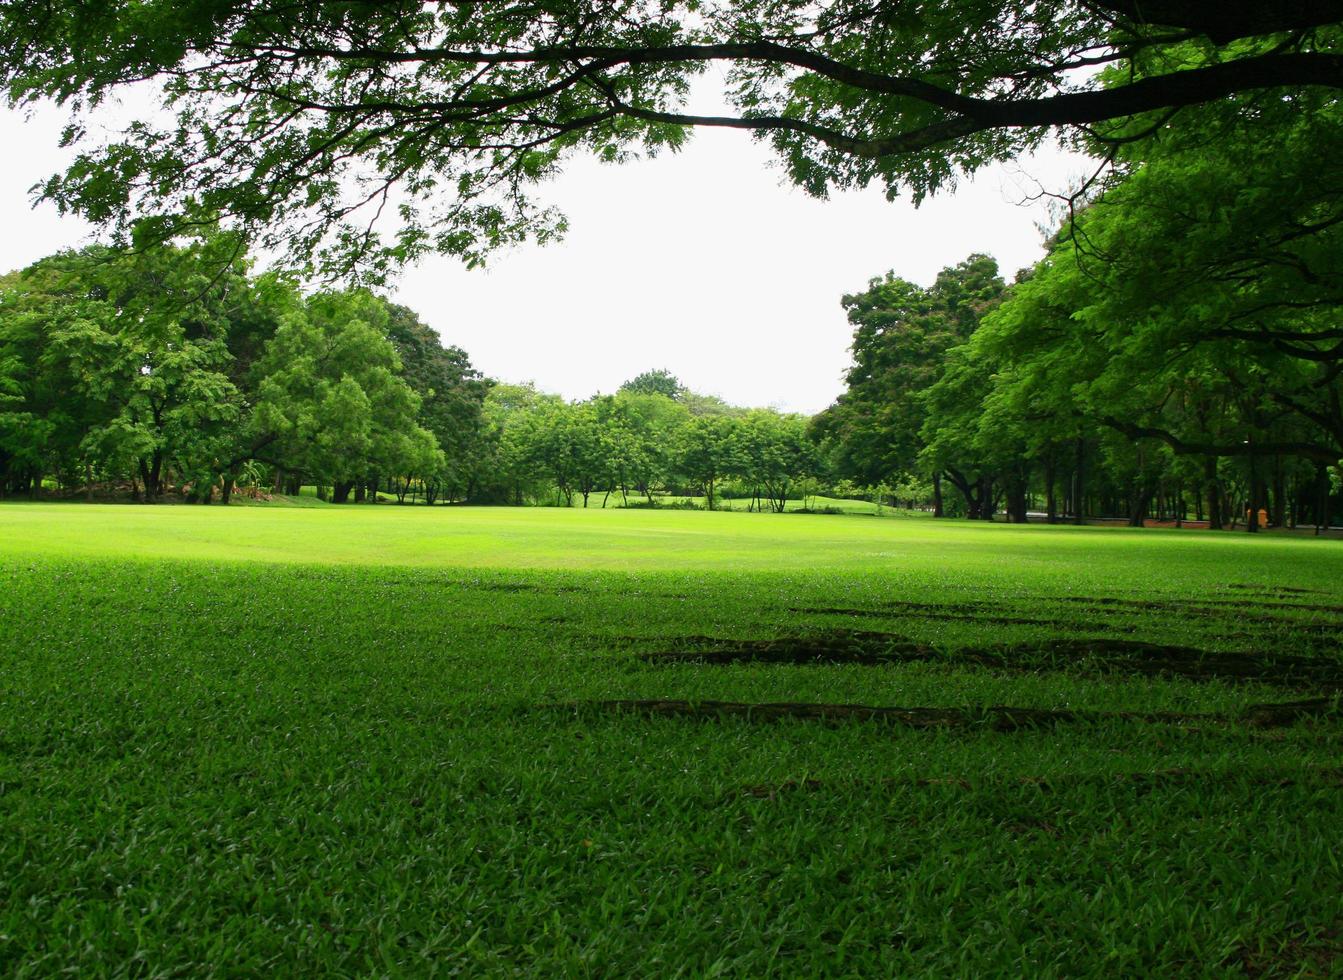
(1051, 501)
(1256, 495)
(1142, 499)
(937, 495)
(988, 500)
(149, 478)
(1079, 499)
(1321, 500)
(1278, 514)
(340, 492)
(1214, 492)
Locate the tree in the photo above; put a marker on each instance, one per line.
(1193, 306)
(131, 365)
(301, 123)
(955, 441)
(506, 470)
(902, 332)
(774, 454)
(709, 451)
(651, 425)
(451, 392)
(658, 382)
(331, 400)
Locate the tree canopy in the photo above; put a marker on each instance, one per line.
(656, 382)
(370, 131)
(1181, 336)
(153, 368)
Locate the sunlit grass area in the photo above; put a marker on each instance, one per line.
(412, 740)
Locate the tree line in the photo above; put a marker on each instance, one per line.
(643, 440)
(174, 368)
(1176, 355)
(152, 373)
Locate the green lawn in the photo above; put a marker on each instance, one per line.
(264, 740)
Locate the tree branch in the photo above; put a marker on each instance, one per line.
(1310, 450)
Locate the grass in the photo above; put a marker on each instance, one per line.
(381, 740)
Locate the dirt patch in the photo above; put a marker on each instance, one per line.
(1331, 776)
(1277, 714)
(1107, 655)
(1205, 606)
(996, 718)
(1285, 589)
(840, 647)
(1103, 655)
(1304, 954)
(954, 614)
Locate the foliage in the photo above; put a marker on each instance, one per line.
(657, 382)
(152, 367)
(451, 393)
(305, 124)
(878, 429)
(1178, 345)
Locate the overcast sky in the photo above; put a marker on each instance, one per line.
(702, 262)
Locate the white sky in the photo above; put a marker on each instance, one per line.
(702, 262)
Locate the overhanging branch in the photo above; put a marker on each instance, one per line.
(1309, 450)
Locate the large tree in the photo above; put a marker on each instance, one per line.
(451, 392)
(902, 332)
(131, 364)
(331, 402)
(1196, 303)
(305, 122)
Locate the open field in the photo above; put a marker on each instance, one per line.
(413, 740)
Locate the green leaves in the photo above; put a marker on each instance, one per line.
(902, 334)
(1198, 297)
(335, 131)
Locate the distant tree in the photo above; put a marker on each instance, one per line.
(710, 451)
(652, 425)
(980, 461)
(331, 397)
(700, 405)
(451, 392)
(132, 365)
(773, 455)
(902, 333)
(659, 382)
(505, 470)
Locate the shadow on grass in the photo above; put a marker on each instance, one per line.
(999, 718)
(1104, 655)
